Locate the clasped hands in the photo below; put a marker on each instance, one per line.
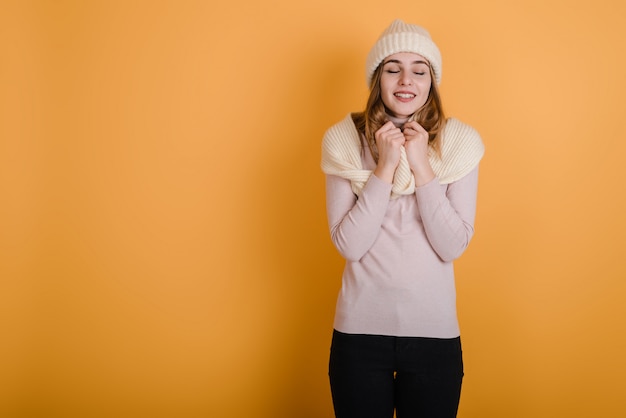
(389, 141)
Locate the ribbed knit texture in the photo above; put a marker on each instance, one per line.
(461, 151)
(403, 37)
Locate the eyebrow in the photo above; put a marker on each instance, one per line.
(398, 62)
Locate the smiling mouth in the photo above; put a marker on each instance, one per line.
(404, 95)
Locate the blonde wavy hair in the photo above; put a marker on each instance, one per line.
(430, 116)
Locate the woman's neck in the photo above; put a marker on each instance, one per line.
(398, 121)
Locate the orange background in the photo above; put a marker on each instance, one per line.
(163, 241)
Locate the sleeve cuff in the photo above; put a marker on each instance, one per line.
(378, 185)
(429, 189)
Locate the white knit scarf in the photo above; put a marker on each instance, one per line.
(461, 151)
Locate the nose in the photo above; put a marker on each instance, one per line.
(405, 78)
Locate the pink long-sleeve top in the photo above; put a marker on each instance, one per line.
(398, 278)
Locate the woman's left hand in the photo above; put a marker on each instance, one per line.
(416, 146)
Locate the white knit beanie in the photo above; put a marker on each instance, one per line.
(403, 37)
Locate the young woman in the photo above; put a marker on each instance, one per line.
(401, 184)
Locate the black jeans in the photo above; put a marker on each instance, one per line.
(370, 375)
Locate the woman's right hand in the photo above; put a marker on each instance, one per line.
(389, 141)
